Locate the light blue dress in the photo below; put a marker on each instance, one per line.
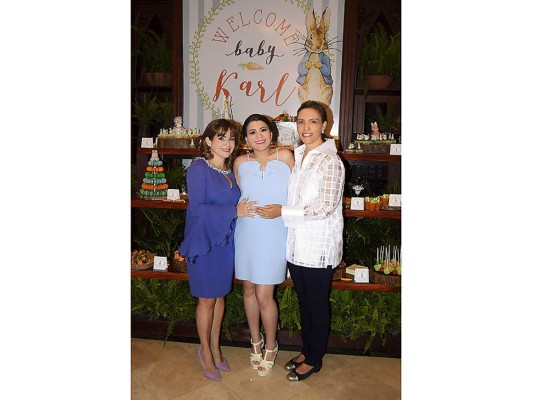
(260, 243)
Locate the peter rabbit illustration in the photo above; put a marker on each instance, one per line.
(314, 69)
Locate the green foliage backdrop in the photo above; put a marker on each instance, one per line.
(353, 313)
(362, 236)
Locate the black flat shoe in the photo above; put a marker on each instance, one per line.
(291, 364)
(295, 376)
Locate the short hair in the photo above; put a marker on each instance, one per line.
(259, 117)
(315, 105)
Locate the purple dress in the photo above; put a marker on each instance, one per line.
(209, 226)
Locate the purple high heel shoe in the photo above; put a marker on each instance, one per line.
(224, 365)
(214, 375)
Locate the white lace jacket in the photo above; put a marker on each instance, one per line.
(313, 213)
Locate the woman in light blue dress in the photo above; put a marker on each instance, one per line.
(260, 260)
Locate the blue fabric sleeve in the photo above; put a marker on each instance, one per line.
(302, 69)
(207, 224)
(326, 69)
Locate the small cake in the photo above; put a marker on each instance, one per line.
(372, 203)
(388, 268)
(178, 137)
(154, 186)
(387, 273)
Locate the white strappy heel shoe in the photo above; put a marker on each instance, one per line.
(256, 358)
(265, 366)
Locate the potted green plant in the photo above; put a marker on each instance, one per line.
(380, 58)
(156, 58)
(387, 122)
(146, 110)
(165, 113)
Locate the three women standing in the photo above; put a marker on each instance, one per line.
(307, 239)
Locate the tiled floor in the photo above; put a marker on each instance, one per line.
(172, 372)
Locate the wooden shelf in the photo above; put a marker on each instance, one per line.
(343, 155)
(369, 157)
(180, 152)
(338, 285)
(139, 203)
(154, 89)
(372, 214)
(378, 92)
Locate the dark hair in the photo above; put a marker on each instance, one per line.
(259, 117)
(218, 127)
(315, 105)
(319, 108)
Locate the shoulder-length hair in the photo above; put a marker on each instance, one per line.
(219, 127)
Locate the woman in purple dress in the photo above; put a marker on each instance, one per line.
(208, 243)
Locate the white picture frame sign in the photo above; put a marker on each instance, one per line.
(362, 275)
(395, 149)
(395, 200)
(357, 203)
(147, 143)
(160, 263)
(173, 194)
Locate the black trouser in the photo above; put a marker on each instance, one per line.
(313, 286)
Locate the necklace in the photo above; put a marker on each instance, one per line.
(224, 173)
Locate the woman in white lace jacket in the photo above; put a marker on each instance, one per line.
(313, 215)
